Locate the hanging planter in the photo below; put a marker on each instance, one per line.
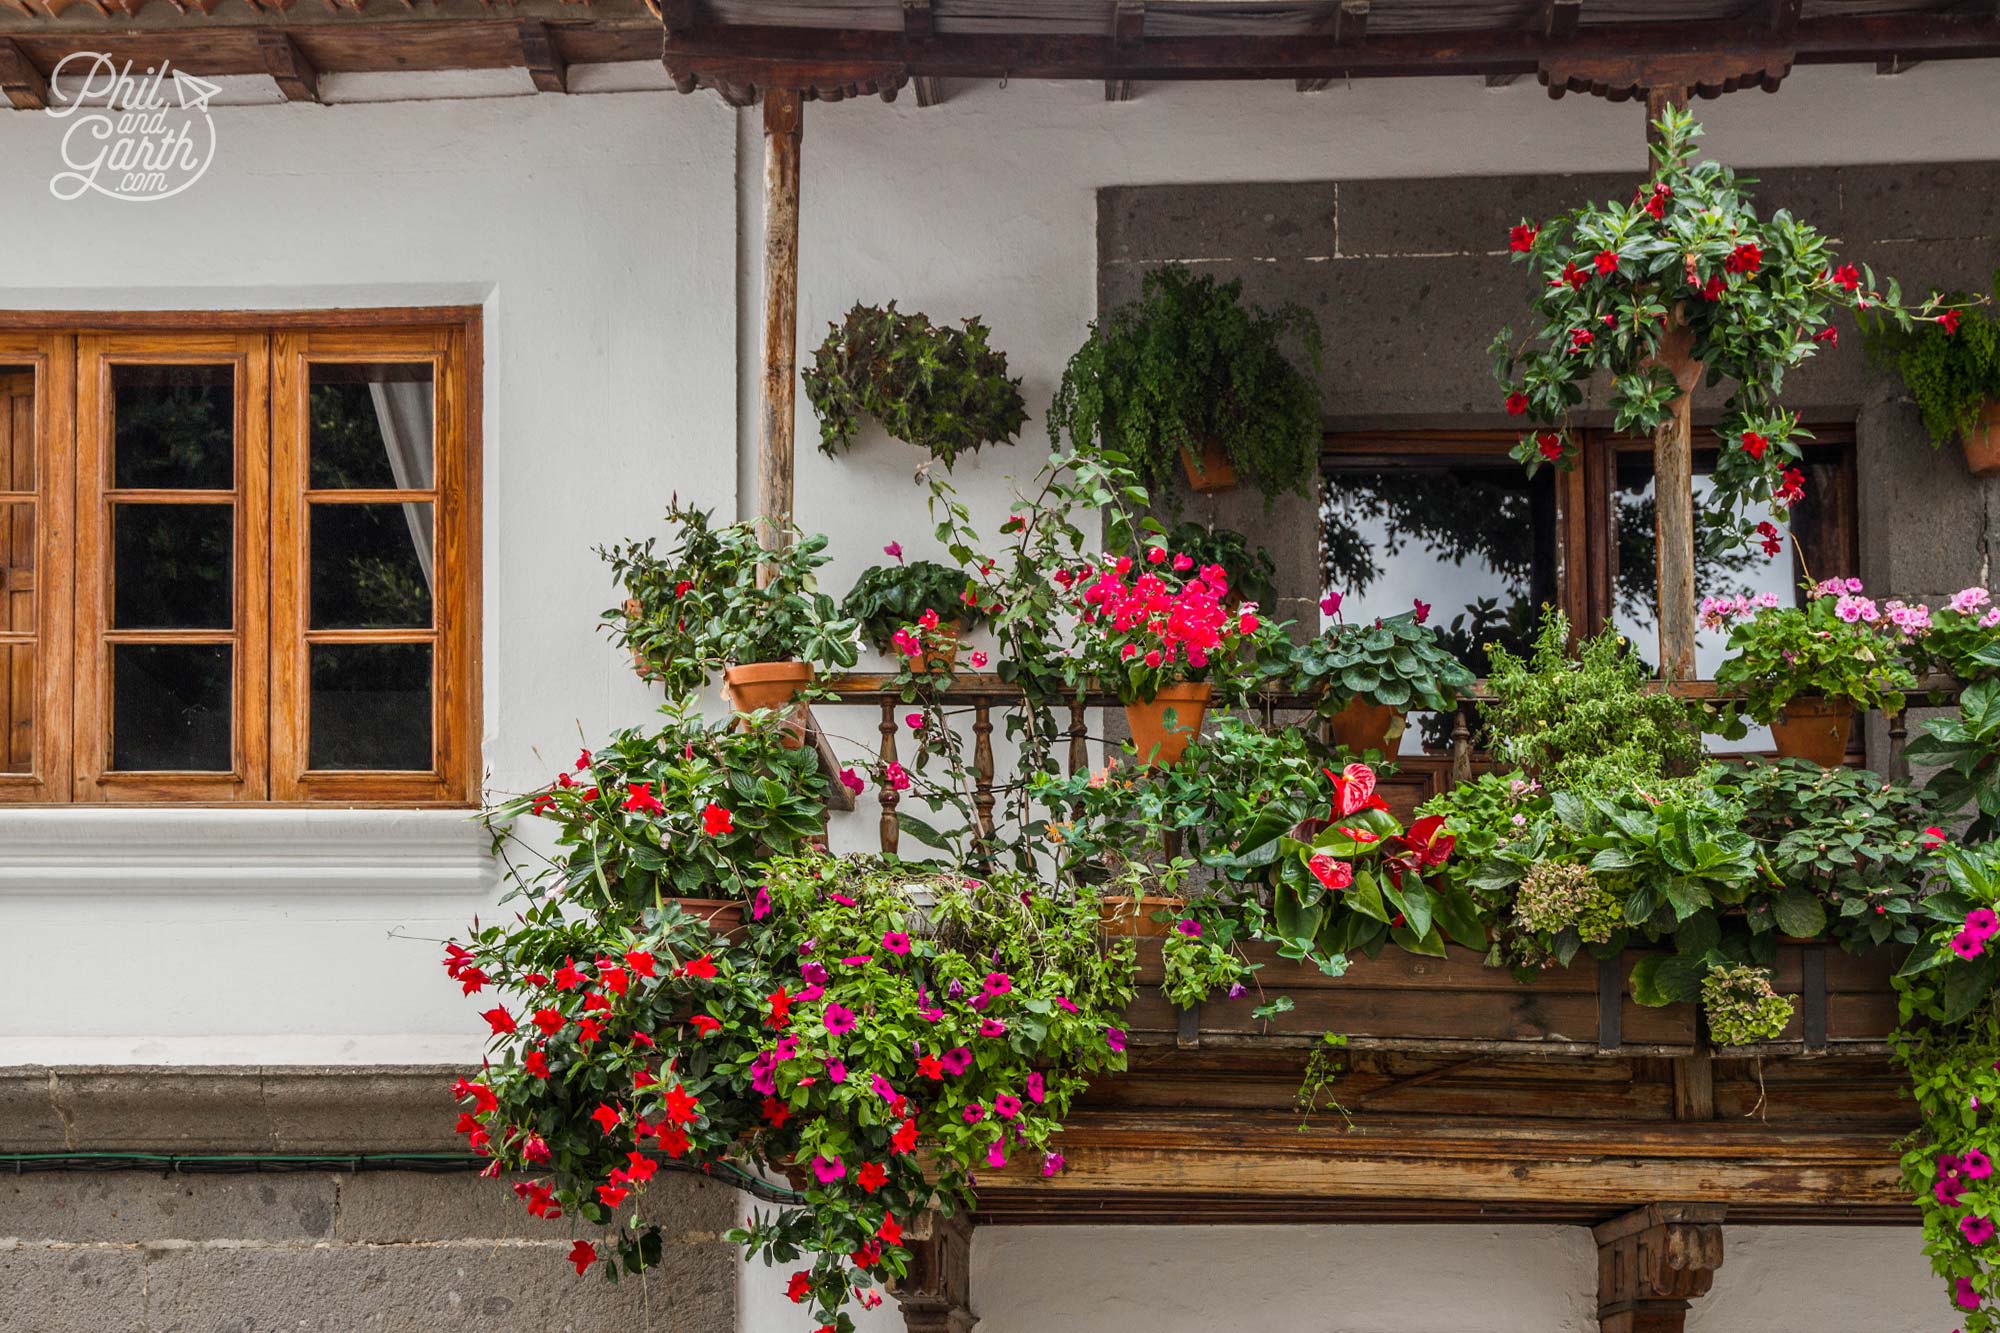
(1982, 443)
(1157, 740)
(758, 685)
(1815, 728)
(1210, 473)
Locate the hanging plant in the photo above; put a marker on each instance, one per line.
(1951, 366)
(1687, 268)
(1190, 370)
(941, 389)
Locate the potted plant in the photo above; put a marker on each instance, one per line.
(1253, 575)
(1963, 640)
(740, 598)
(890, 603)
(1805, 669)
(1370, 674)
(1191, 373)
(941, 389)
(1950, 363)
(1157, 632)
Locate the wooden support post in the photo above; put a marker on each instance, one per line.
(1673, 470)
(288, 66)
(1652, 1263)
(541, 57)
(936, 1293)
(782, 107)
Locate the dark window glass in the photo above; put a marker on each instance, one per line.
(173, 427)
(1475, 537)
(371, 566)
(170, 707)
(371, 706)
(171, 566)
(371, 427)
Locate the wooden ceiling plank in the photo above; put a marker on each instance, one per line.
(25, 85)
(296, 76)
(542, 58)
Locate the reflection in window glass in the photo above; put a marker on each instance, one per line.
(171, 566)
(372, 427)
(371, 706)
(170, 707)
(173, 427)
(1635, 580)
(371, 566)
(1475, 538)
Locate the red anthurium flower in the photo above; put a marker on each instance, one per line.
(500, 1020)
(615, 979)
(1353, 790)
(550, 1021)
(680, 1106)
(716, 821)
(871, 1177)
(1846, 277)
(472, 980)
(583, 1254)
(1336, 875)
(606, 1116)
(702, 968)
(704, 1025)
(1744, 258)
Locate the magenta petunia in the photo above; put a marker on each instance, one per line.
(842, 899)
(1977, 1230)
(1189, 927)
(1036, 1092)
(997, 983)
(858, 960)
(1006, 1106)
(1052, 1163)
(839, 1020)
(896, 942)
(760, 905)
(996, 1154)
(1983, 922)
(836, 1071)
(973, 1113)
(956, 1060)
(1115, 1039)
(1964, 1295)
(1967, 945)
(1064, 1003)
(828, 1169)
(882, 1087)
(1976, 1164)
(992, 1027)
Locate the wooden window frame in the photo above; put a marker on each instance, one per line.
(70, 354)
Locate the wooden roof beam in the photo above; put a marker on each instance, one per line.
(1561, 18)
(23, 83)
(1350, 25)
(542, 58)
(678, 17)
(295, 75)
(1785, 15)
(1128, 30)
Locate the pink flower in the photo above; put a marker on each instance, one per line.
(1052, 1163)
(915, 721)
(839, 1020)
(973, 1113)
(1006, 1106)
(1967, 600)
(1983, 922)
(1183, 563)
(894, 549)
(1977, 1165)
(906, 643)
(1189, 927)
(896, 776)
(1246, 624)
(836, 1071)
(896, 942)
(882, 1087)
(1977, 1230)
(858, 960)
(760, 905)
(1115, 1039)
(1330, 604)
(992, 1027)
(978, 660)
(828, 1169)
(997, 983)
(996, 1154)
(1967, 945)
(1963, 1294)
(956, 1060)
(851, 780)
(1154, 555)
(1948, 1191)
(1035, 1088)
(1064, 1003)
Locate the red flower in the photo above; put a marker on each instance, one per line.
(904, 1140)
(536, 1063)
(868, 1255)
(1933, 838)
(583, 1254)
(1580, 339)
(1336, 875)
(871, 1177)
(1353, 791)
(680, 1105)
(891, 1231)
(1847, 277)
(928, 1067)
(550, 1021)
(640, 962)
(1423, 610)
(567, 977)
(1755, 444)
(615, 979)
(643, 1078)
(606, 1116)
(500, 1020)
(1791, 491)
(1948, 321)
(1771, 543)
(597, 1003)
(642, 1168)
(1744, 258)
(776, 1112)
(1828, 335)
(715, 821)
(611, 1195)
(799, 1287)
(1713, 289)
(588, 1030)
(641, 1039)
(583, 759)
(639, 796)
(781, 1009)
(704, 1025)
(1517, 403)
(702, 968)
(673, 1142)
(1607, 262)
(483, 1099)
(1572, 275)
(1521, 237)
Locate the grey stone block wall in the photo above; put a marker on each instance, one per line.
(386, 1252)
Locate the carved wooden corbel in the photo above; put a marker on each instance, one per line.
(936, 1294)
(1653, 1262)
(1706, 73)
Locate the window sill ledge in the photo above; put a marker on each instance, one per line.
(82, 849)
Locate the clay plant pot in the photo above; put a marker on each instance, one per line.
(1361, 726)
(723, 915)
(1133, 917)
(758, 685)
(1148, 721)
(1982, 443)
(1814, 728)
(639, 663)
(945, 658)
(1212, 472)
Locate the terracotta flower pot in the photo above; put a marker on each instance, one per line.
(1815, 728)
(1361, 726)
(724, 915)
(1982, 443)
(1148, 721)
(758, 685)
(1212, 472)
(639, 663)
(1134, 916)
(946, 657)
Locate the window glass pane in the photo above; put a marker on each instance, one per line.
(17, 428)
(371, 706)
(1475, 537)
(17, 707)
(170, 707)
(173, 427)
(1635, 580)
(171, 566)
(371, 427)
(17, 569)
(371, 565)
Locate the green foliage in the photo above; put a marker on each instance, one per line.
(702, 607)
(1253, 575)
(1689, 249)
(941, 389)
(1778, 654)
(1398, 662)
(616, 854)
(1587, 723)
(1741, 1007)
(1953, 376)
(1190, 364)
(1201, 957)
(887, 598)
(1967, 748)
(1963, 641)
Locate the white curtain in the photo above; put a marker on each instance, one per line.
(406, 411)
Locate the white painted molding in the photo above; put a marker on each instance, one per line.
(251, 851)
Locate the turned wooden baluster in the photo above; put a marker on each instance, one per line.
(982, 766)
(885, 793)
(1461, 748)
(1079, 752)
(1899, 732)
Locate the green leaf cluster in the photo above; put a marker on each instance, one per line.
(1952, 376)
(1396, 662)
(1783, 653)
(887, 598)
(1967, 750)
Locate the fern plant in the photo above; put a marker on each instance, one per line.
(1951, 368)
(939, 388)
(1187, 365)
